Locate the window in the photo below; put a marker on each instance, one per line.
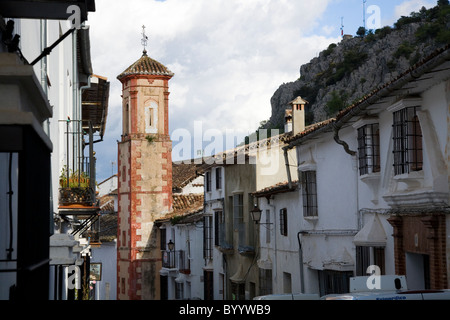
(367, 256)
(218, 178)
(369, 148)
(219, 228)
(238, 291)
(408, 149)
(126, 121)
(309, 184)
(265, 282)
(334, 282)
(238, 210)
(283, 222)
(208, 181)
(207, 238)
(179, 291)
(163, 239)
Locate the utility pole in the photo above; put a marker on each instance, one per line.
(364, 14)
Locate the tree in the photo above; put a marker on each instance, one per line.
(361, 32)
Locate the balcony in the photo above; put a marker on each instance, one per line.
(176, 260)
(77, 194)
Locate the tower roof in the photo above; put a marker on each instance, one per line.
(146, 66)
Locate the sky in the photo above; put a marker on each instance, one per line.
(229, 57)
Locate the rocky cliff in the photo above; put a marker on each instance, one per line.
(350, 69)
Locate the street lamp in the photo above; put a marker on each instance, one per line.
(256, 214)
(171, 245)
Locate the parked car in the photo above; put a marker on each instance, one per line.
(289, 296)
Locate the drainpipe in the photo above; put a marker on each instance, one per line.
(274, 238)
(288, 169)
(300, 261)
(340, 142)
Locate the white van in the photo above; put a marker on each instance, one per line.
(389, 287)
(394, 296)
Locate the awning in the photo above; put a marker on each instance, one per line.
(341, 261)
(239, 276)
(372, 234)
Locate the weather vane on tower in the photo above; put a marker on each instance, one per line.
(144, 40)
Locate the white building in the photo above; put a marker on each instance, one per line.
(181, 236)
(45, 88)
(374, 184)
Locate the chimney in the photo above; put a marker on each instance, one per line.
(288, 121)
(298, 115)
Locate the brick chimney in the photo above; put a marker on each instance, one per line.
(298, 115)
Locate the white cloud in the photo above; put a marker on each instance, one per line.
(405, 8)
(228, 56)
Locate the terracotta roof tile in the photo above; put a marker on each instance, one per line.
(146, 66)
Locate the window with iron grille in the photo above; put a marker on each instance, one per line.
(309, 193)
(283, 222)
(179, 291)
(208, 181)
(369, 148)
(334, 282)
(207, 238)
(265, 282)
(367, 256)
(219, 228)
(408, 150)
(238, 210)
(218, 178)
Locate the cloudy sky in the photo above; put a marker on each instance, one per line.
(228, 56)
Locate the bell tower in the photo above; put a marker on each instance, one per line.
(144, 176)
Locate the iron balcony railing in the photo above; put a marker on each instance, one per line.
(176, 260)
(77, 177)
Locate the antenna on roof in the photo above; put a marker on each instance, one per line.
(144, 40)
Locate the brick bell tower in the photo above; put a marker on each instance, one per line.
(144, 177)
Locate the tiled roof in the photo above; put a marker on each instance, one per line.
(183, 174)
(146, 66)
(281, 187)
(309, 129)
(185, 206)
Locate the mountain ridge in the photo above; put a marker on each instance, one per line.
(347, 71)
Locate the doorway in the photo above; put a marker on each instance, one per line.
(417, 271)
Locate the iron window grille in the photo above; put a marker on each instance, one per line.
(218, 178)
(309, 182)
(265, 282)
(283, 222)
(369, 149)
(367, 256)
(408, 148)
(208, 181)
(208, 238)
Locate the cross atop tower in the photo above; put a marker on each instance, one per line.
(144, 40)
